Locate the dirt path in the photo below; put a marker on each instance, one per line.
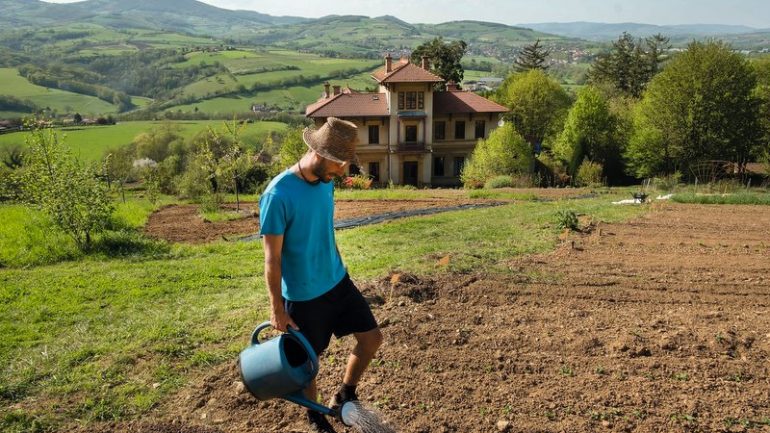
(183, 223)
(657, 325)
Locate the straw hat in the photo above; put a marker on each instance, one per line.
(334, 140)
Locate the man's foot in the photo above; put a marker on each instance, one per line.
(319, 423)
(344, 395)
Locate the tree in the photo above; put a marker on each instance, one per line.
(158, 143)
(532, 57)
(537, 104)
(702, 106)
(119, 167)
(77, 118)
(762, 93)
(630, 64)
(68, 192)
(505, 152)
(445, 58)
(293, 147)
(590, 133)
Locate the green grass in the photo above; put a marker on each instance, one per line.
(106, 338)
(752, 198)
(11, 83)
(29, 238)
(93, 142)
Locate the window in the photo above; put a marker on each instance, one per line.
(459, 164)
(374, 171)
(460, 130)
(438, 166)
(374, 134)
(480, 127)
(439, 130)
(411, 100)
(411, 133)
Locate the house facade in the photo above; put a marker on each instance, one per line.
(410, 134)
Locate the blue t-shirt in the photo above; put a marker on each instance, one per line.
(304, 215)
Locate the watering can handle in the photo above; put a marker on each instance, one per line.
(260, 328)
(294, 333)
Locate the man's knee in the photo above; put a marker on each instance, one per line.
(370, 341)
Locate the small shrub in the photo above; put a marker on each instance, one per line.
(499, 182)
(567, 219)
(589, 174)
(668, 183)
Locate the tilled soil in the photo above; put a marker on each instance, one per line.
(656, 325)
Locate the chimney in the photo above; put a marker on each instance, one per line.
(388, 63)
(326, 90)
(425, 63)
(336, 90)
(451, 86)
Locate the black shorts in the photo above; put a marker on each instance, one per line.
(340, 311)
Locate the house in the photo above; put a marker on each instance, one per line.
(410, 134)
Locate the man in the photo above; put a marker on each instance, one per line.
(308, 285)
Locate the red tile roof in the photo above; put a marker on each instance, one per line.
(406, 73)
(464, 102)
(350, 105)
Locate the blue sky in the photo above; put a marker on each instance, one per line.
(754, 13)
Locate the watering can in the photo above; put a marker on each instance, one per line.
(282, 367)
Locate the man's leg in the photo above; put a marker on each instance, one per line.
(366, 347)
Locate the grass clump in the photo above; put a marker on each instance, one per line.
(566, 219)
(748, 198)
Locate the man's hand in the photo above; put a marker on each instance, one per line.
(280, 319)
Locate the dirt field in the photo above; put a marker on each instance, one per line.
(183, 223)
(661, 324)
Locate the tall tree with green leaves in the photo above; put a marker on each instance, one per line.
(630, 64)
(445, 58)
(702, 106)
(590, 133)
(537, 103)
(532, 56)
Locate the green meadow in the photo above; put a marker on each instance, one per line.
(11, 83)
(91, 143)
(291, 98)
(240, 63)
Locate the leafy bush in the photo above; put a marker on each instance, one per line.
(567, 219)
(589, 174)
(505, 152)
(499, 182)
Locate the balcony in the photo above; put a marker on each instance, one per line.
(412, 146)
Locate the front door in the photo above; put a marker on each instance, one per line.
(410, 173)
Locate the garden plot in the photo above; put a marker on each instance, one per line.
(658, 324)
(183, 223)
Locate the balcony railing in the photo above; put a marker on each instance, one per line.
(410, 147)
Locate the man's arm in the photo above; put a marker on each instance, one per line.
(279, 318)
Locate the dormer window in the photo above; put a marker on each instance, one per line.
(411, 100)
